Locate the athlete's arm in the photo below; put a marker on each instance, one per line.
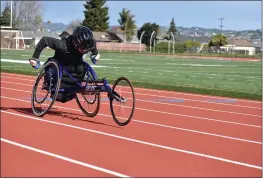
(94, 51)
(55, 44)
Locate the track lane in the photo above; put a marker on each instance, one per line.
(177, 95)
(104, 108)
(20, 162)
(214, 103)
(174, 110)
(214, 127)
(104, 151)
(224, 148)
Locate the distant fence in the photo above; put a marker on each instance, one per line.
(110, 46)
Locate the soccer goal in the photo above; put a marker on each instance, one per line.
(12, 39)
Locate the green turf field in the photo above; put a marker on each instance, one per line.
(216, 77)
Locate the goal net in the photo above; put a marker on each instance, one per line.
(12, 39)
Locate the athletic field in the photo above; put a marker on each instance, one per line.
(224, 77)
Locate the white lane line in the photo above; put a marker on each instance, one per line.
(150, 123)
(197, 95)
(41, 63)
(174, 114)
(63, 158)
(139, 141)
(203, 101)
(194, 107)
(168, 92)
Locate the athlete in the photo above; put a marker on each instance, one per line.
(69, 52)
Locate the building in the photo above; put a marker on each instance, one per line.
(99, 36)
(32, 38)
(239, 46)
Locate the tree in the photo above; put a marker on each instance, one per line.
(172, 28)
(190, 44)
(25, 13)
(148, 28)
(127, 24)
(218, 41)
(96, 15)
(73, 24)
(6, 16)
(38, 21)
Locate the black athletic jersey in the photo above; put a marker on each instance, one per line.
(65, 53)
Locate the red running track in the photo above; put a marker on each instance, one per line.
(194, 138)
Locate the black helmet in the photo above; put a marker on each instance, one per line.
(83, 39)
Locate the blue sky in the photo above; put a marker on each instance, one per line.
(239, 15)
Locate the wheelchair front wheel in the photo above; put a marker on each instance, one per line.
(124, 92)
(47, 82)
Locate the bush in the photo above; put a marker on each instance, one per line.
(162, 47)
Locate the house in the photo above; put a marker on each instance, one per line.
(258, 46)
(201, 39)
(134, 39)
(99, 36)
(40, 34)
(239, 46)
(33, 37)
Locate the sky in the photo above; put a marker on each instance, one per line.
(238, 15)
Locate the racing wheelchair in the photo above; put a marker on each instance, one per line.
(89, 88)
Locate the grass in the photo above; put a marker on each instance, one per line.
(239, 79)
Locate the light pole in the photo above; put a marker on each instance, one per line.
(221, 19)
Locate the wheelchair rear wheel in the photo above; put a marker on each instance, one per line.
(46, 88)
(90, 100)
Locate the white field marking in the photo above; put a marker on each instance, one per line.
(155, 124)
(196, 117)
(149, 95)
(41, 63)
(107, 59)
(175, 71)
(139, 141)
(195, 64)
(64, 158)
(154, 102)
(31, 55)
(168, 92)
(3, 53)
(13, 66)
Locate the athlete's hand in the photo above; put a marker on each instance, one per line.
(35, 63)
(95, 58)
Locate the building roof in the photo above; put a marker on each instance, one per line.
(257, 44)
(39, 34)
(99, 36)
(239, 42)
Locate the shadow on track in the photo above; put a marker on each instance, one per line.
(63, 114)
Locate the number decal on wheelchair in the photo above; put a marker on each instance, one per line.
(90, 88)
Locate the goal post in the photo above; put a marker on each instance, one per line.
(12, 40)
